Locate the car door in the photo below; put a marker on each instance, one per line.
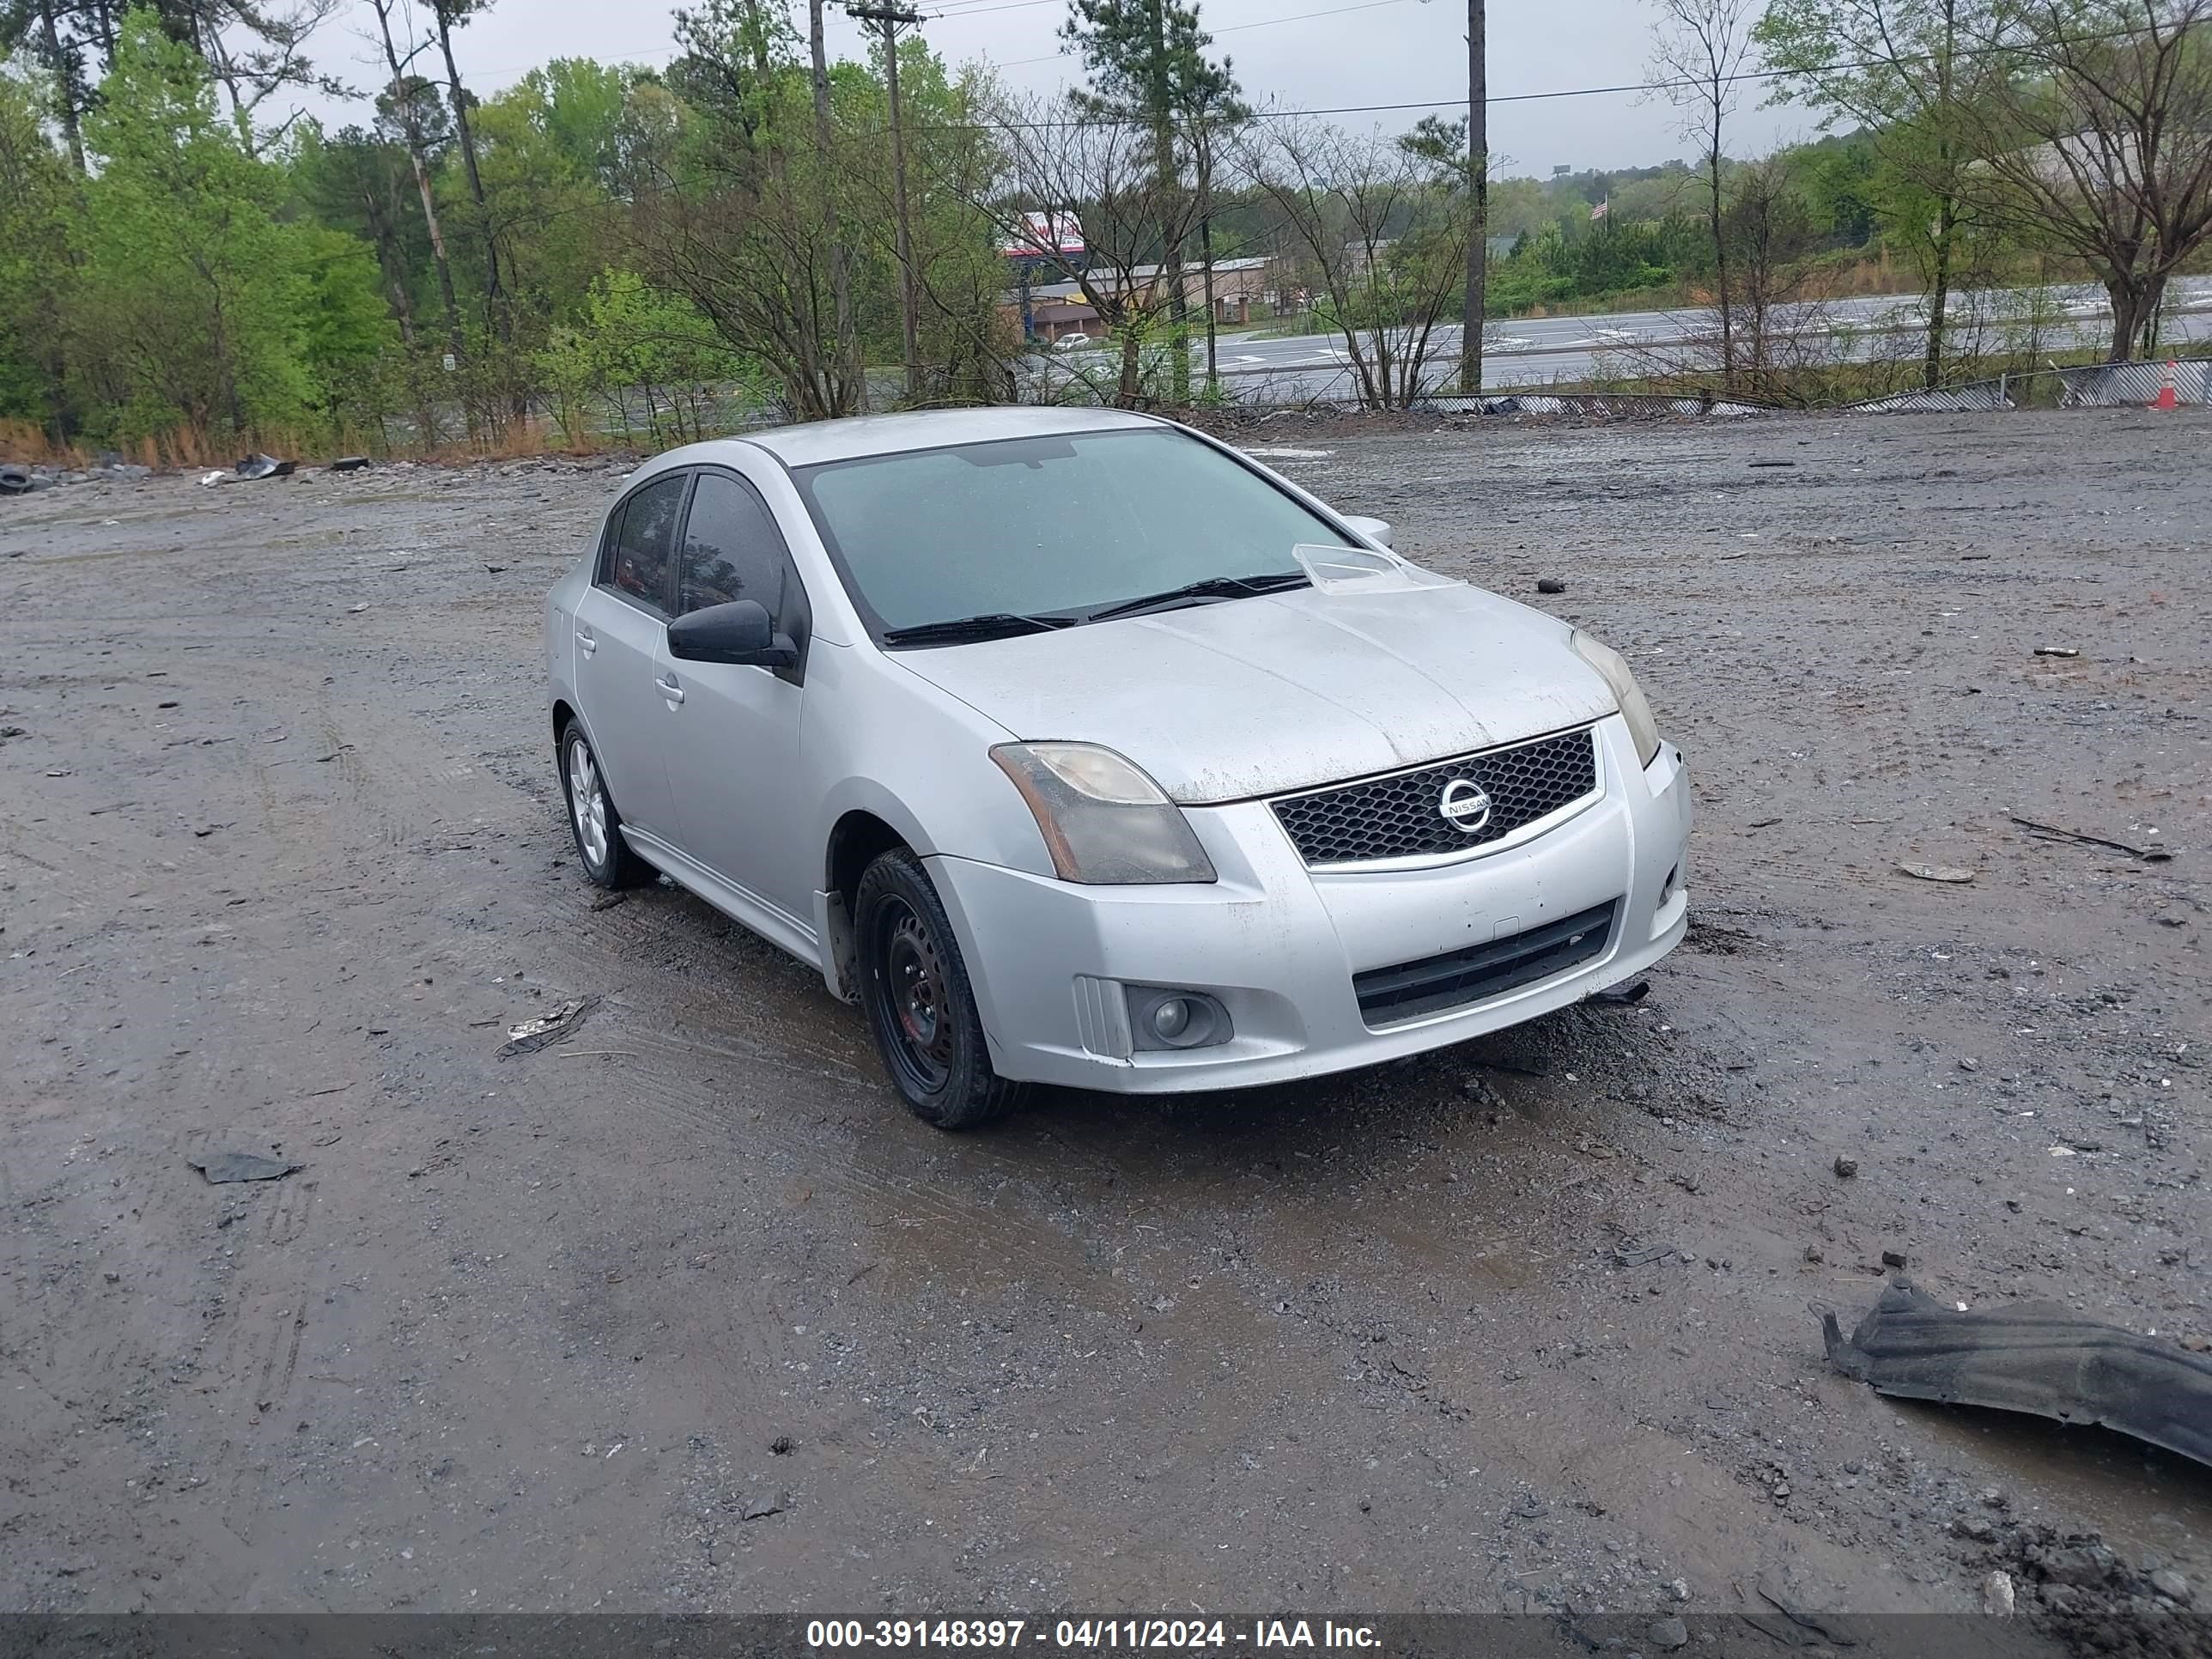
(621, 650)
(733, 773)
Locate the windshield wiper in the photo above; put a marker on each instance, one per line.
(1213, 587)
(991, 625)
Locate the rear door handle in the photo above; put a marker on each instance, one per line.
(586, 641)
(670, 690)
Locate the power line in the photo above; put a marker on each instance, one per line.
(1226, 29)
(956, 9)
(1458, 101)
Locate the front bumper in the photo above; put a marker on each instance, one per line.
(1279, 945)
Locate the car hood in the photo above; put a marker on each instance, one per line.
(1250, 697)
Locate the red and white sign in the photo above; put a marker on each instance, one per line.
(1044, 234)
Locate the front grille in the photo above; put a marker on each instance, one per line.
(1388, 995)
(1400, 816)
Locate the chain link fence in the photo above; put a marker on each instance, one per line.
(2086, 385)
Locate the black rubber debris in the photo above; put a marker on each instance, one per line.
(1625, 996)
(2041, 1357)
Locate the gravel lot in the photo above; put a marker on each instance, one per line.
(687, 1314)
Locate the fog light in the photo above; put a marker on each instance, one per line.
(1176, 1019)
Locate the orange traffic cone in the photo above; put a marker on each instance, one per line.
(2165, 399)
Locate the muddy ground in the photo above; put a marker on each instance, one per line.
(687, 1314)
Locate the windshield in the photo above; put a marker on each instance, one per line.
(1054, 526)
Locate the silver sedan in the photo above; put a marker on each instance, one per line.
(1079, 748)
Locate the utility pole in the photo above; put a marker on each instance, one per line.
(1478, 183)
(889, 18)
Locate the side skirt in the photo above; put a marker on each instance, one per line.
(786, 932)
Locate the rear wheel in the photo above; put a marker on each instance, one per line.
(593, 819)
(919, 1006)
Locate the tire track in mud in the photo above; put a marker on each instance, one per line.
(861, 1168)
(406, 790)
(268, 1300)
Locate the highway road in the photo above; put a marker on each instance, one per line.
(1530, 351)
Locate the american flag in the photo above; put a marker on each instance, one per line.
(1598, 212)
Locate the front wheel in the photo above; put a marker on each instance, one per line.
(919, 1006)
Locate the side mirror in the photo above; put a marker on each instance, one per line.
(1375, 530)
(739, 632)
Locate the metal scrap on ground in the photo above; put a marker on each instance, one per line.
(2148, 854)
(532, 1035)
(2040, 1358)
(256, 466)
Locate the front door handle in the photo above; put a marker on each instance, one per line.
(670, 690)
(586, 641)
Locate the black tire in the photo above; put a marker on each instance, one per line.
(919, 1002)
(596, 823)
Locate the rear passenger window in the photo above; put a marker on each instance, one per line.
(732, 549)
(641, 540)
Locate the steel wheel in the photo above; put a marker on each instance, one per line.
(915, 982)
(587, 801)
(921, 1004)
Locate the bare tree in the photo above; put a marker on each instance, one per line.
(403, 103)
(1768, 231)
(1701, 51)
(2097, 136)
(1061, 159)
(445, 17)
(1781, 343)
(1378, 223)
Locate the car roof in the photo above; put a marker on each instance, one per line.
(816, 442)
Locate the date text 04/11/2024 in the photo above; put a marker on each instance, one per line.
(1088, 1634)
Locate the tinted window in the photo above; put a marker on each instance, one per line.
(643, 542)
(731, 549)
(1036, 525)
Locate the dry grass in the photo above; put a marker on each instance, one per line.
(21, 440)
(184, 449)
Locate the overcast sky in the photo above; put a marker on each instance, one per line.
(1382, 51)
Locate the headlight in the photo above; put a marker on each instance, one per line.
(1106, 822)
(1626, 691)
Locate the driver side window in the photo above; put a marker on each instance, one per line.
(732, 550)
